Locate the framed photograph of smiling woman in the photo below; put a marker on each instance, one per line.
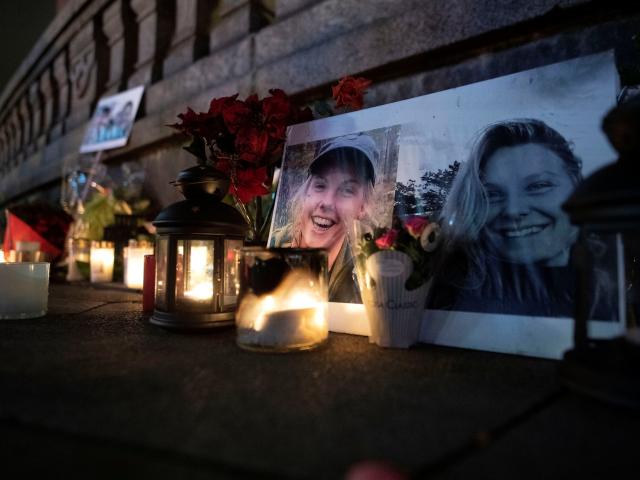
(492, 162)
(327, 184)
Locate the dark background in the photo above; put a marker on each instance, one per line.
(21, 23)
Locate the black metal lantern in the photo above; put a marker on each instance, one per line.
(196, 284)
(607, 208)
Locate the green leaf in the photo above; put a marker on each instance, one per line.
(322, 108)
(84, 269)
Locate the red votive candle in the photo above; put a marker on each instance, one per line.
(149, 283)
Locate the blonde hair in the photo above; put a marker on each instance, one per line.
(467, 206)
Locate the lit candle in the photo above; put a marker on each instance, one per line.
(200, 292)
(24, 289)
(1, 256)
(134, 263)
(291, 317)
(102, 256)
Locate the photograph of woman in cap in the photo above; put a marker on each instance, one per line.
(339, 184)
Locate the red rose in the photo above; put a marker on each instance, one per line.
(218, 105)
(190, 122)
(415, 225)
(350, 91)
(249, 184)
(236, 115)
(251, 144)
(387, 240)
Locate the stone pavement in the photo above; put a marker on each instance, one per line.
(94, 390)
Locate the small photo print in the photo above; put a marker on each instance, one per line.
(111, 123)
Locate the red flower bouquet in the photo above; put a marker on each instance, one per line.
(244, 140)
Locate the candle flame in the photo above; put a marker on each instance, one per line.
(202, 291)
(297, 292)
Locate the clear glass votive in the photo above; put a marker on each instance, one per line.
(24, 289)
(79, 252)
(283, 299)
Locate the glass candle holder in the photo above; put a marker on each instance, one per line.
(283, 299)
(79, 255)
(24, 289)
(102, 256)
(134, 262)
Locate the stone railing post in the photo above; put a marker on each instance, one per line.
(234, 19)
(47, 91)
(4, 148)
(121, 32)
(190, 40)
(88, 60)
(36, 103)
(155, 21)
(24, 114)
(61, 94)
(17, 134)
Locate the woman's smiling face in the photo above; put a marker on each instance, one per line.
(525, 186)
(333, 198)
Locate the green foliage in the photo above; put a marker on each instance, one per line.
(84, 269)
(101, 209)
(99, 212)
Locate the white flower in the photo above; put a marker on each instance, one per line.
(430, 237)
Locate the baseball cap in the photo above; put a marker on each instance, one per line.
(357, 152)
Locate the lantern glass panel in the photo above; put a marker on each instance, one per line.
(608, 284)
(631, 242)
(231, 280)
(194, 275)
(162, 249)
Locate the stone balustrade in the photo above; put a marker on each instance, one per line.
(187, 51)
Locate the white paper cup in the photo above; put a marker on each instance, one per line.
(24, 289)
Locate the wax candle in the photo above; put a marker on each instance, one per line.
(134, 263)
(102, 256)
(24, 289)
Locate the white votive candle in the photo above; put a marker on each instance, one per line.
(101, 260)
(24, 289)
(134, 263)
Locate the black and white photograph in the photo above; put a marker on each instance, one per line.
(325, 185)
(491, 163)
